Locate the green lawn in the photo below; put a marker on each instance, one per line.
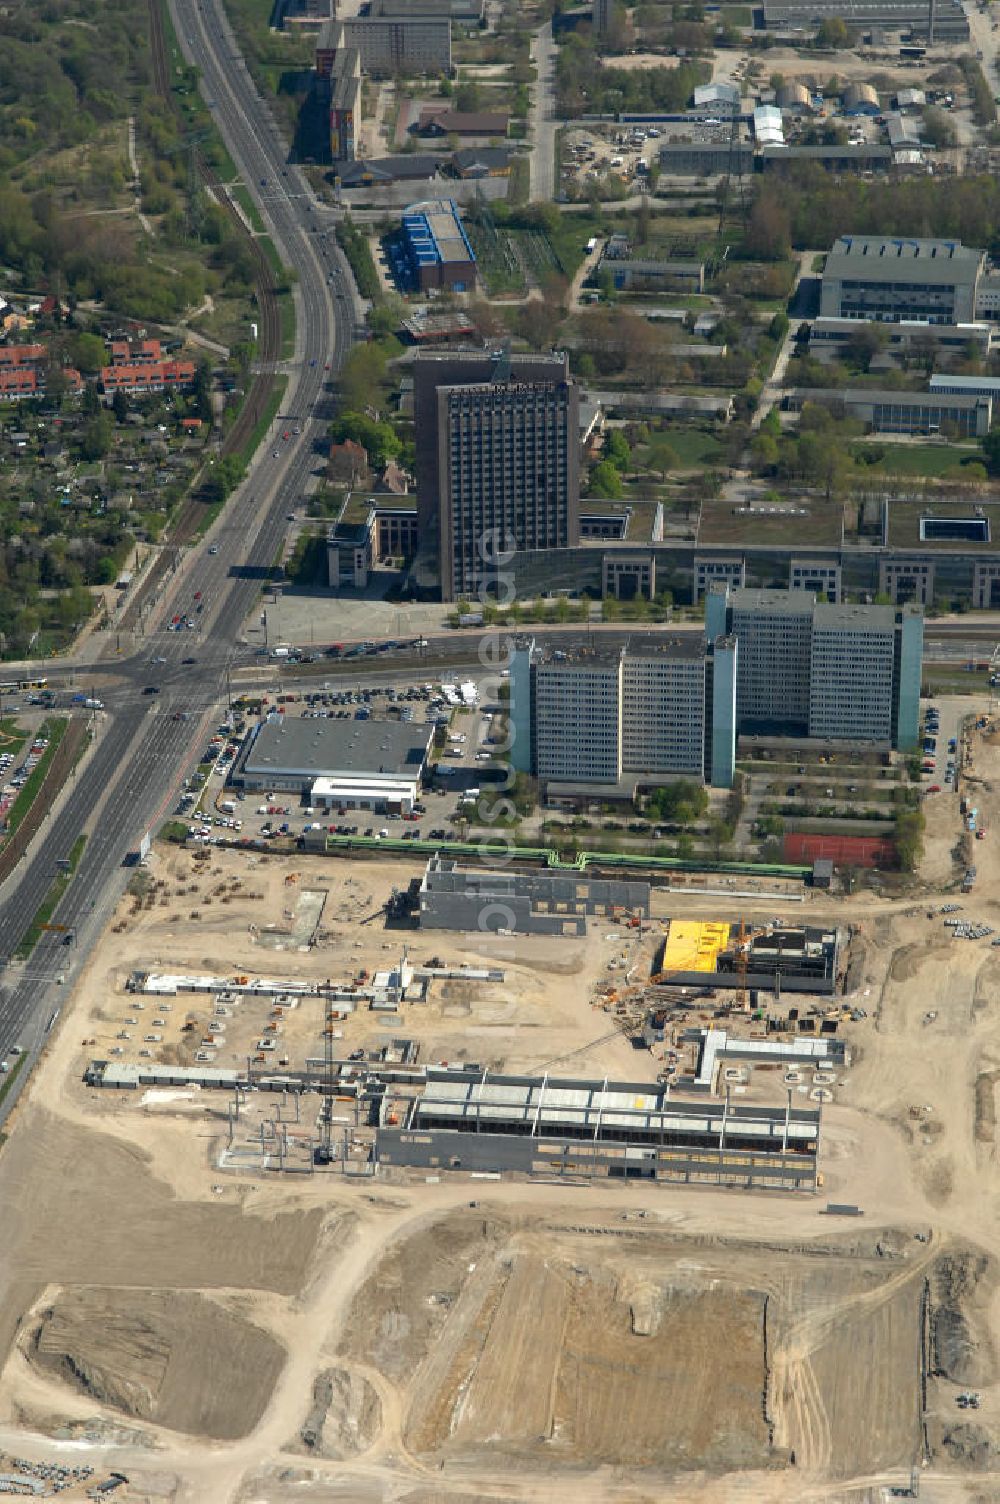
(692, 445)
(266, 418)
(241, 194)
(949, 679)
(923, 459)
(50, 902)
(54, 730)
(7, 1081)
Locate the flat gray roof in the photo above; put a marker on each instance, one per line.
(319, 748)
(871, 618)
(641, 645)
(650, 645)
(978, 386)
(900, 259)
(869, 151)
(795, 602)
(871, 396)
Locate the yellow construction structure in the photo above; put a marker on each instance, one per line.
(694, 945)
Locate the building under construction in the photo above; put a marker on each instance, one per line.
(522, 901)
(770, 958)
(557, 1127)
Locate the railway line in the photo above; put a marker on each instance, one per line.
(192, 511)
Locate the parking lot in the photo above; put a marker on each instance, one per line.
(939, 744)
(464, 752)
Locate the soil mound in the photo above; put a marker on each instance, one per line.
(175, 1358)
(345, 1417)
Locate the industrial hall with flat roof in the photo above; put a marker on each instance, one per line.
(348, 764)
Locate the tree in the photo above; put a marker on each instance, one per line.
(202, 391)
(778, 327)
(833, 33)
(719, 835)
(937, 129)
(386, 317)
(87, 353)
(681, 802)
(96, 438)
(224, 477)
(991, 451)
(616, 450)
(661, 455)
(468, 98)
(765, 451)
(606, 481)
(769, 230)
(119, 406)
(865, 343)
(376, 436)
(361, 376)
(909, 837)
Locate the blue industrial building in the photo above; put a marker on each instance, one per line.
(437, 248)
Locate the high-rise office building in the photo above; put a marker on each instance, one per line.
(836, 672)
(852, 668)
(774, 631)
(663, 707)
(578, 718)
(606, 715)
(497, 460)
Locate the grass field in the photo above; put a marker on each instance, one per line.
(928, 460)
(692, 445)
(497, 260)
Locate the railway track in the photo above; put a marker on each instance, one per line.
(191, 514)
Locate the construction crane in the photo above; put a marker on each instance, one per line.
(744, 938)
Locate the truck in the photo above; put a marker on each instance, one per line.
(591, 245)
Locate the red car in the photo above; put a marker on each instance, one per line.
(935, 788)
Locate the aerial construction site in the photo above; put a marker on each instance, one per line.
(671, 1194)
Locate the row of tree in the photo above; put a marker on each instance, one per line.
(811, 207)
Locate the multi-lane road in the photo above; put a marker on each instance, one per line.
(125, 782)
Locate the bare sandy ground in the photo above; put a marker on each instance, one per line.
(386, 1341)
